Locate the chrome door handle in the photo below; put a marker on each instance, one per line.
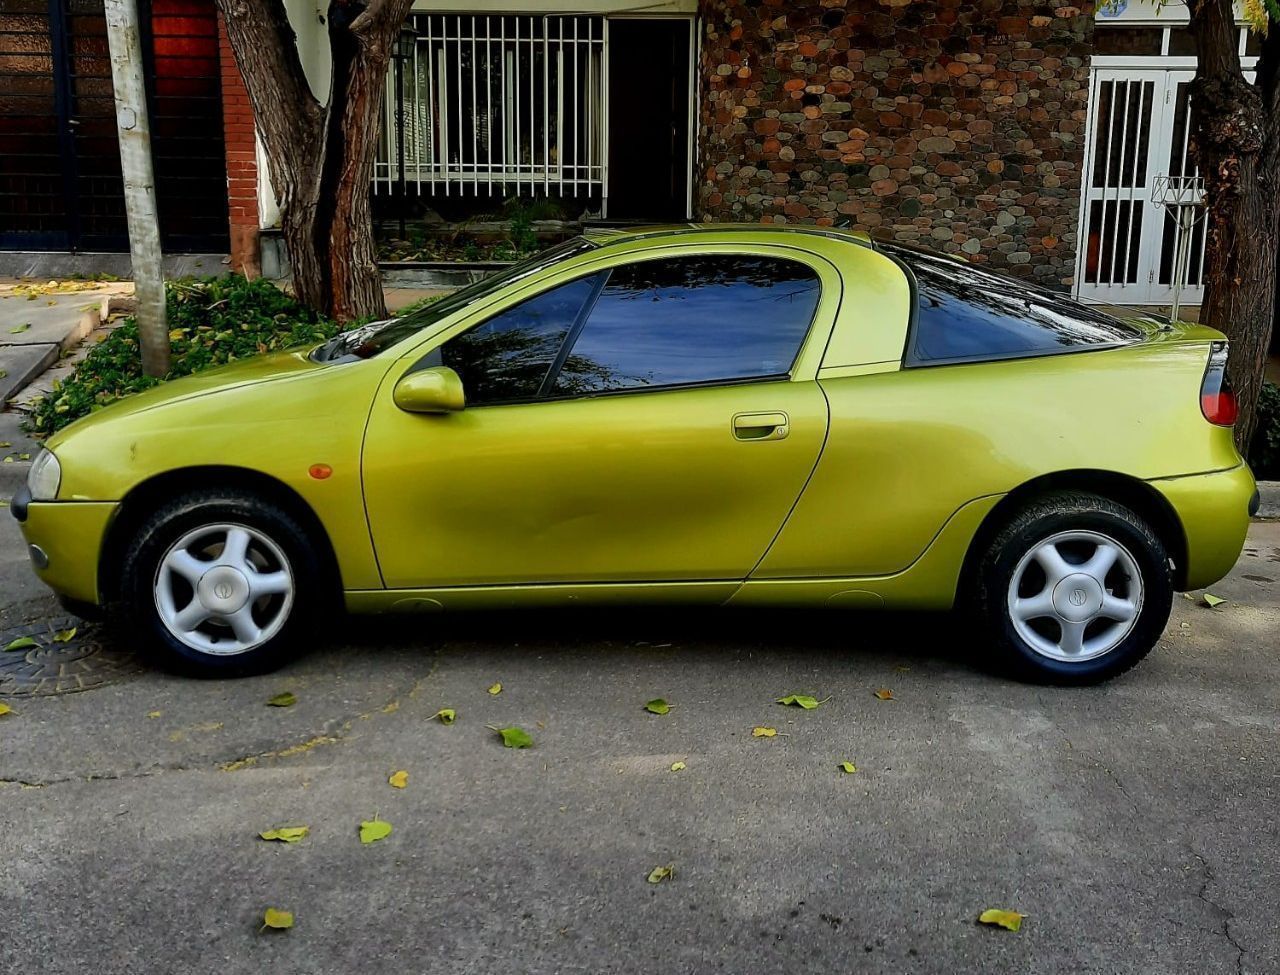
(761, 426)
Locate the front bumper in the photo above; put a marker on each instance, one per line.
(64, 540)
(1214, 510)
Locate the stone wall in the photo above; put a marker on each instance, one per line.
(957, 124)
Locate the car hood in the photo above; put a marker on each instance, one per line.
(271, 367)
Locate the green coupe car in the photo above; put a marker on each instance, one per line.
(721, 415)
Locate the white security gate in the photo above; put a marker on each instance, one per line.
(1139, 122)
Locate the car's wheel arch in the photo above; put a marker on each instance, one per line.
(1132, 492)
(147, 495)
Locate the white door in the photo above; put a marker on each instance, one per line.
(1137, 132)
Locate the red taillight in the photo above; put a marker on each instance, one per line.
(1219, 408)
(1217, 400)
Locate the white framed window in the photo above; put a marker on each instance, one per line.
(498, 104)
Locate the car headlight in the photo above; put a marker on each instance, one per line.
(44, 477)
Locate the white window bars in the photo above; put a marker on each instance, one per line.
(497, 104)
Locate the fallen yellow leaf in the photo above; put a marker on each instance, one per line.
(678, 766)
(154, 714)
(1211, 600)
(1004, 919)
(659, 874)
(399, 779)
(759, 732)
(372, 830)
(276, 919)
(884, 694)
(5, 709)
(495, 688)
(286, 834)
(848, 768)
(514, 737)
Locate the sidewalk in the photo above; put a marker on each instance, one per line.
(40, 322)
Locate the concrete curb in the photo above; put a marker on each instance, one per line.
(23, 365)
(1270, 492)
(13, 472)
(12, 477)
(22, 387)
(85, 324)
(436, 275)
(43, 265)
(28, 363)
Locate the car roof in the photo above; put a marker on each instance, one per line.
(606, 236)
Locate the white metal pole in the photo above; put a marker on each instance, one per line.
(125, 43)
(1183, 223)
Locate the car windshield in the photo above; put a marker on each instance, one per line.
(369, 340)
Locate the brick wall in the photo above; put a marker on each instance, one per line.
(957, 124)
(242, 164)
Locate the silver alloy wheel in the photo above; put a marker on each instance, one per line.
(224, 589)
(1075, 596)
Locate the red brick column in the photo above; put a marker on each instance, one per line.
(242, 163)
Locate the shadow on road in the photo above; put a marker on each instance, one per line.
(781, 635)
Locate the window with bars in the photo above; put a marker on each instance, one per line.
(492, 105)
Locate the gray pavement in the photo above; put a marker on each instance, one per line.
(1137, 824)
(40, 321)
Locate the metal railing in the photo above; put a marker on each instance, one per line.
(497, 104)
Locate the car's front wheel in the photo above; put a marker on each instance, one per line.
(220, 583)
(1075, 589)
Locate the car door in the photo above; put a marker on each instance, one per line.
(647, 422)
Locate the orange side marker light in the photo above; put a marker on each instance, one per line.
(320, 471)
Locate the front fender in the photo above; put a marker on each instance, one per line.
(280, 428)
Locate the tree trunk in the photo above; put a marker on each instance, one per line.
(1234, 139)
(320, 156)
(364, 51)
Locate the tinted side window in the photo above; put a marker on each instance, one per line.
(965, 313)
(507, 357)
(688, 320)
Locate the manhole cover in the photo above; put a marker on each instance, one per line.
(64, 666)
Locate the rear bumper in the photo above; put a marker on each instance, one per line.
(64, 542)
(1214, 510)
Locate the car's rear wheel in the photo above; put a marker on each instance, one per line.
(220, 583)
(1074, 590)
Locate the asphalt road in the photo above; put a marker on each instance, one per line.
(1137, 825)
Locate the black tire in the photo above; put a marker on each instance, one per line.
(138, 614)
(1038, 522)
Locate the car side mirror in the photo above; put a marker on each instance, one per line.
(434, 390)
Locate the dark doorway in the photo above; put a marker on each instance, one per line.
(648, 119)
(60, 183)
